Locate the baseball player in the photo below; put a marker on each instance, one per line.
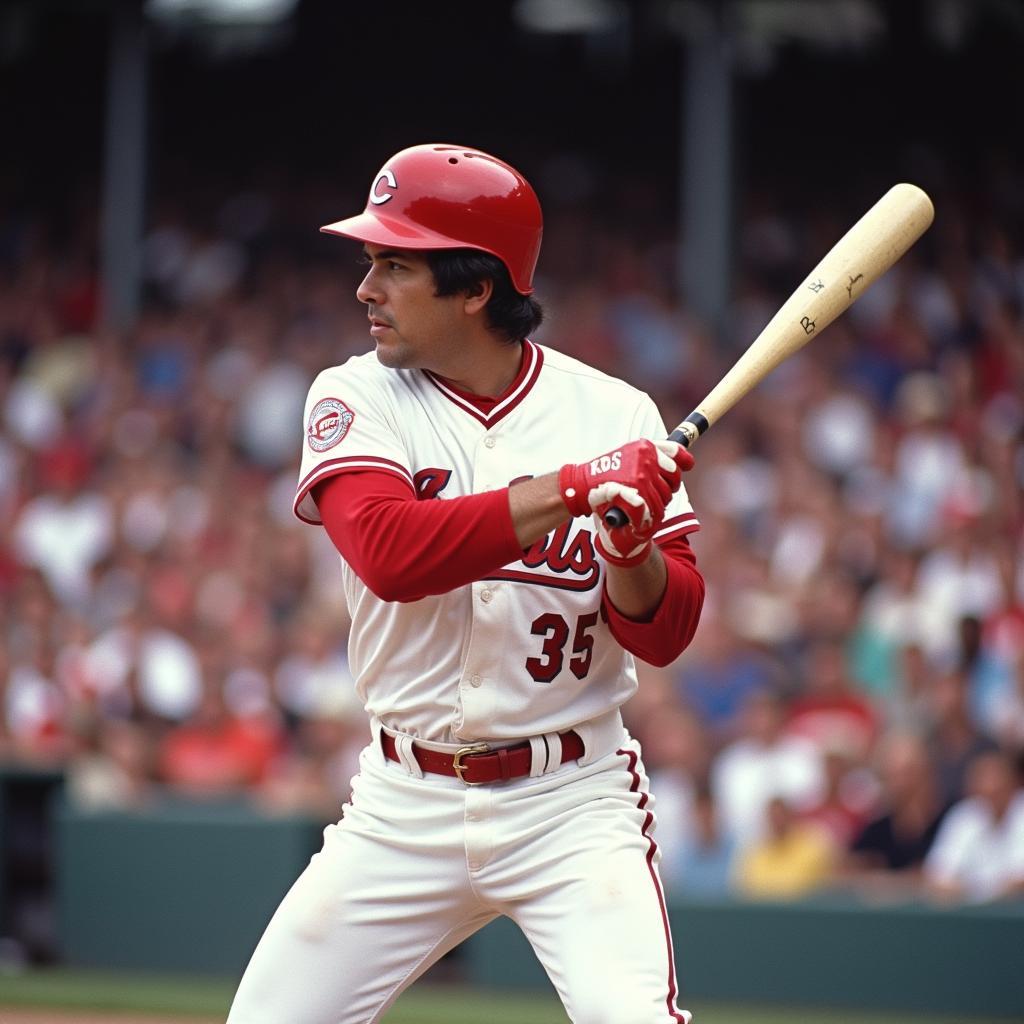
(462, 471)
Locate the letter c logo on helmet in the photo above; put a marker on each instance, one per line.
(452, 197)
(377, 197)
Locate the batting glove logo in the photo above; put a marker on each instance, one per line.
(606, 463)
(328, 423)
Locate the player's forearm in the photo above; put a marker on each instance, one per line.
(637, 591)
(661, 634)
(404, 549)
(537, 508)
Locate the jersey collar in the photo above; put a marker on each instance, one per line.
(489, 411)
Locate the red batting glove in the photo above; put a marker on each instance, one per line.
(633, 465)
(652, 468)
(629, 544)
(640, 478)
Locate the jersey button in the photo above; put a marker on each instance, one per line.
(486, 595)
(475, 680)
(490, 442)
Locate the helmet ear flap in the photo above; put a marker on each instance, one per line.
(439, 196)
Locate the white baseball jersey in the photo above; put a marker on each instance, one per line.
(525, 651)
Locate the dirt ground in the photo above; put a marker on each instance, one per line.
(77, 1017)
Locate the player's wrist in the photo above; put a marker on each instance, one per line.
(574, 489)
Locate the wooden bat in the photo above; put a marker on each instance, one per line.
(861, 256)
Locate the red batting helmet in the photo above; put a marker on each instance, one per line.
(451, 197)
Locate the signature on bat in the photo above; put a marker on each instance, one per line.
(853, 281)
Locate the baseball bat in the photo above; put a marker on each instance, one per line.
(861, 256)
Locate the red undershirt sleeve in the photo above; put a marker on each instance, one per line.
(663, 637)
(404, 549)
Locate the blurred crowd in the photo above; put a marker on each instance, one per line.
(851, 712)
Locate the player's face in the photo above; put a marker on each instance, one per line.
(413, 327)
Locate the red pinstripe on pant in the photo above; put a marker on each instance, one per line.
(670, 1001)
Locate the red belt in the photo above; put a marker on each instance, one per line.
(478, 763)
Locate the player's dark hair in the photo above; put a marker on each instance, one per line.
(510, 314)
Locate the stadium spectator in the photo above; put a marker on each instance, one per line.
(113, 770)
(910, 703)
(888, 623)
(67, 529)
(763, 763)
(314, 774)
(703, 862)
(957, 578)
(215, 751)
(890, 849)
(954, 739)
(989, 674)
(843, 809)
(830, 712)
(719, 675)
(314, 670)
(1007, 713)
(929, 462)
(791, 859)
(34, 709)
(978, 854)
(677, 755)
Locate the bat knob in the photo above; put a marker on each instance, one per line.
(615, 517)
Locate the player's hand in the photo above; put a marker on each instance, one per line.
(640, 478)
(629, 544)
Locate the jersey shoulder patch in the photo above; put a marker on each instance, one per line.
(372, 391)
(328, 423)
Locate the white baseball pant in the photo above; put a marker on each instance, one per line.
(417, 864)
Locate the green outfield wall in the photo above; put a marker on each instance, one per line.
(175, 887)
(825, 953)
(187, 888)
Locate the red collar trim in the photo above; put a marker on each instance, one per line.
(489, 411)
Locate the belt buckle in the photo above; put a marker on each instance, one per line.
(473, 748)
